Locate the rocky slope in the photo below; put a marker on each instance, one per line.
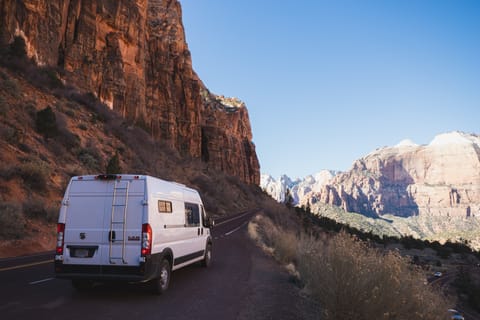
(133, 56)
(438, 179)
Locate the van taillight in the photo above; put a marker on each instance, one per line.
(146, 239)
(60, 237)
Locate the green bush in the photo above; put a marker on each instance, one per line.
(113, 165)
(46, 122)
(3, 107)
(89, 158)
(12, 221)
(35, 175)
(18, 48)
(468, 287)
(37, 209)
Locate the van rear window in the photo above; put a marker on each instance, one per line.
(164, 206)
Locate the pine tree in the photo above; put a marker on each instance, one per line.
(113, 165)
(308, 209)
(46, 122)
(288, 198)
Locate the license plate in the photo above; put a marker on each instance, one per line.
(81, 253)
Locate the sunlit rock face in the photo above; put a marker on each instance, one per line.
(133, 56)
(440, 179)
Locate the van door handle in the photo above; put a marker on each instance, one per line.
(198, 231)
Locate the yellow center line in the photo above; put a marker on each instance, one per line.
(26, 265)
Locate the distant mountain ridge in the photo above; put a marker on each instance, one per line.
(439, 179)
(426, 191)
(300, 189)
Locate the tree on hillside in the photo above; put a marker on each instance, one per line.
(46, 122)
(18, 48)
(288, 199)
(113, 165)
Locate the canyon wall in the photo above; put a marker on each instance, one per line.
(439, 179)
(134, 57)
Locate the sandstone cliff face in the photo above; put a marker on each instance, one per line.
(133, 56)
(441, 179)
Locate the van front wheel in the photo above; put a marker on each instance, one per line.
(160, 284)
(207, 260)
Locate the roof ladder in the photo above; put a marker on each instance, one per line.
(118, 220)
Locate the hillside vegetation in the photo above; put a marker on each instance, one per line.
(355, 274)
(347, 277)
(51, 131)
(432, 228)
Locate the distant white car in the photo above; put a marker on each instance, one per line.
(438, 274)
(455, 315)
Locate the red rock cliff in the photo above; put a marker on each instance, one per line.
(438, 179)
(133, 56)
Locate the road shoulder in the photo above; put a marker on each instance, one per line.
(272, 292)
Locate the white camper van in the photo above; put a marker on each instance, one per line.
(134, 228)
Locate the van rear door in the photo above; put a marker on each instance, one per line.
(104, 220)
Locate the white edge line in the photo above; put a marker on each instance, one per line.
(235, 218)
(236, 229)
(41, 281)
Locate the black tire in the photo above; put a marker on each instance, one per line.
(82, 285)
(207, 258)
(160, 284)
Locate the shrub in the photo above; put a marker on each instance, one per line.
(282, 244)
(353, 281)
(70, 113)
(3, 107)
(12, 221)
(35, 175)
(34, 208)
(46, 122)
(90, 158)
(37, 209)
(11, 87)
(18, 48)
(113, 165)
(468, 287)
(9, 134)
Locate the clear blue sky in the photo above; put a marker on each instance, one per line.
(326, 82)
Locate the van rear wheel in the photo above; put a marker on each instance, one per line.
(207, 259)
(160, 284)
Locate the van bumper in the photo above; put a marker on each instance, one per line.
(143, 272)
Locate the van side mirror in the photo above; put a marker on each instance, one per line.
(208, 223)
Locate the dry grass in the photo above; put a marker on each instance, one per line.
(351, 280)
(273, 239)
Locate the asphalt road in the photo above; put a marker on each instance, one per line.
(29, 290)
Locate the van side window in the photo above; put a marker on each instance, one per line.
(192, 215)
(164, 206)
